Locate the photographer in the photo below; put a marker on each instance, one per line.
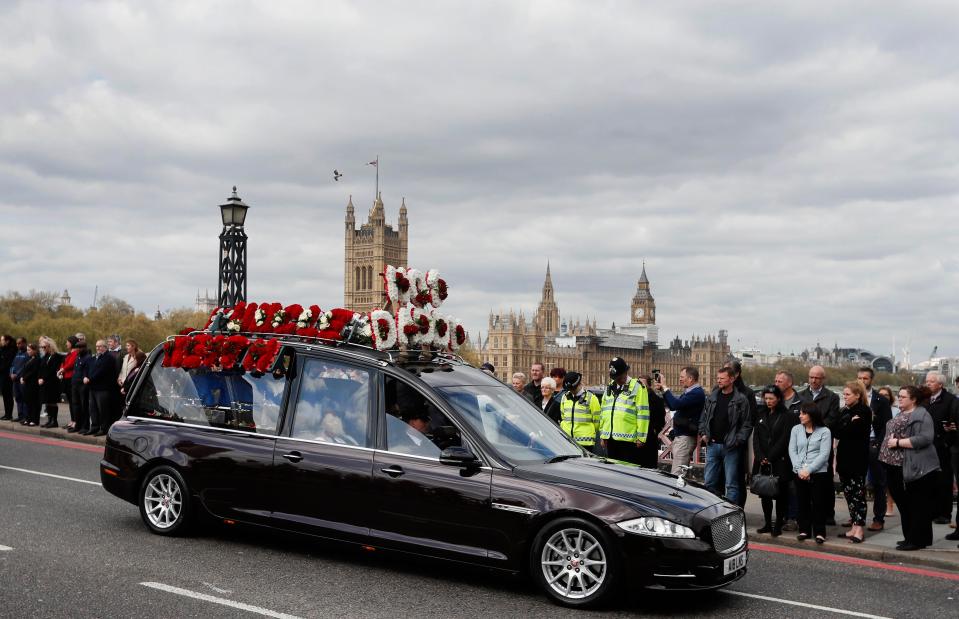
(687, 408)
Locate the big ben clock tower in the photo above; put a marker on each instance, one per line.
(643, 307)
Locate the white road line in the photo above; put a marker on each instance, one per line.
(2, 548)
(210, 598)
(828, 609)
(82, 481)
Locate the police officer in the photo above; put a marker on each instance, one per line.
(624, 419)
(579, 411)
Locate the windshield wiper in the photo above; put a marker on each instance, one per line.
(561, 458)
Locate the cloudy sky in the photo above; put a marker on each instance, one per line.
(788, 171)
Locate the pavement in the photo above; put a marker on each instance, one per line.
(877, 546)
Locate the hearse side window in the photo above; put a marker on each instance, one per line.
(219, 399)
(413, 425)
(333, 405)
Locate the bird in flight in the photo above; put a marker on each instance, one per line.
(336, 175)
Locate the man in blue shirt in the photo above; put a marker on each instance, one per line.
(686, 411)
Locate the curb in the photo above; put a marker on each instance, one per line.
(57, 433)
(947, 560)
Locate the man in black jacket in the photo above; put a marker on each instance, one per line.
(744, 389)
(881, 414)
(531, 390)
(102, 380)
(942, 407)
(724, 428)
(828, 404)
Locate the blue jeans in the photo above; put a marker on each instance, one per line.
(722, 462)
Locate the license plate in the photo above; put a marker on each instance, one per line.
(735, 563)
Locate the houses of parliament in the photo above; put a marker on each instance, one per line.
(513, 342)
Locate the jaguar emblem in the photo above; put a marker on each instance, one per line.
(681, 477)
(730, 525)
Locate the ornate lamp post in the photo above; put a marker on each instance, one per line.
(232, 286)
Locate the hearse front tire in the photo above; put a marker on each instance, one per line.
(575, 563)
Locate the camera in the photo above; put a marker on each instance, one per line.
(657, 376)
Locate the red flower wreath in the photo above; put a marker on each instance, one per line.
(231, 350)
(195, 350)
(248, 325)
(212, 351)
(260, 355)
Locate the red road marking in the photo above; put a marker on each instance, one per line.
(823, 556)
(51, 441)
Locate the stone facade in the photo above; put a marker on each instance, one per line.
(368, 250)
(513, 343)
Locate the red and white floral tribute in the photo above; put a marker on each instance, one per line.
(457, 334)
(405, 327)
(383, 329)
(425, 326)
(437, 288)
(441, 326)
(414, 322)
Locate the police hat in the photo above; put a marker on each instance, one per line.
(617, 366)
(572, 380)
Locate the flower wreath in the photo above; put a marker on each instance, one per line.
(437, 288)
(248, 324)
(383, 329)
(441, 326)
(457, 334)
(263, 316)
(332, 323)
(398, 287)
(305, 324)
(405, 328)
(194, 350)
(358, 330)
(426, 327)
(234, 323)
(419, 292)
(260, 355)
(230, 350)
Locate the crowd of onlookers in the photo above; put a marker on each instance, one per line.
(785, 444)
(36, 377)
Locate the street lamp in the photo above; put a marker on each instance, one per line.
(232, 263)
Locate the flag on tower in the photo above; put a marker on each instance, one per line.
(374, 163)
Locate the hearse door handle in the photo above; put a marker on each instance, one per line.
(393, 471)
(293, 456)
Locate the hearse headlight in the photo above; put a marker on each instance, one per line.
(656, 527)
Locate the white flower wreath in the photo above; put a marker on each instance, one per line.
(390, 340)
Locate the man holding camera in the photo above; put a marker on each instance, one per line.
(687, 408)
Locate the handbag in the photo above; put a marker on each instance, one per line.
(765, 484)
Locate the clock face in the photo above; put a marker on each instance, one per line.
(639, 313)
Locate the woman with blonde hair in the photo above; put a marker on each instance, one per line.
(547, 386)
(852, 455)
(48, 379)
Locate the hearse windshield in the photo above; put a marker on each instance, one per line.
(510, 423)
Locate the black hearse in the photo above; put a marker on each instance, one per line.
(428, 456)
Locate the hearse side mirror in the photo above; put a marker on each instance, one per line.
(458, 456)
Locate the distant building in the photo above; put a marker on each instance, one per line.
(204, 304)
(65, 298)
(368, 250)
(513, 343)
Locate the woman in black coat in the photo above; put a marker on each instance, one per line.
(27, 377)
(771, 453)
(49, 380)
(852, 455)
